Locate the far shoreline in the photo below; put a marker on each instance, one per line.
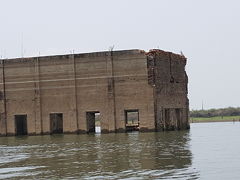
(209, 120)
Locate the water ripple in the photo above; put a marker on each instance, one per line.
(105, 156)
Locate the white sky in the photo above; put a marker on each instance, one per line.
(207, 31)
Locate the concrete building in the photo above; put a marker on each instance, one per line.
(124, 90)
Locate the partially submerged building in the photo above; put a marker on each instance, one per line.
(126, 90)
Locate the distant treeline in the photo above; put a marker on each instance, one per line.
(230, 111)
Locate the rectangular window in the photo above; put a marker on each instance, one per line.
(132, 119)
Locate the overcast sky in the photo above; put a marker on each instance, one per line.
(206, 31)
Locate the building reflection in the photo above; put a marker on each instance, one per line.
(167, 150)
(103, 155)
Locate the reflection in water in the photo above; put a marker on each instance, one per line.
(107, 156)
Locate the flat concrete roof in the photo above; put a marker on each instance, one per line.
(96, 54)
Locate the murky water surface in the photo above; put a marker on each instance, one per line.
(207, 151)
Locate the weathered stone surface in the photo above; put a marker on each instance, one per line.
(154, 83)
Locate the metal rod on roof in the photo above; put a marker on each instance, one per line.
(22, 45)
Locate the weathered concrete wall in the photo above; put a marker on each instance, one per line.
(105, 82)
(108, 82)
(168, 77)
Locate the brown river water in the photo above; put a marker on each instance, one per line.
(206, 151)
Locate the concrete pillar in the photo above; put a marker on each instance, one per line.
(111, 102)
(73, 114)
(37, 98)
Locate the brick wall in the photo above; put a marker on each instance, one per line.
(167, 76)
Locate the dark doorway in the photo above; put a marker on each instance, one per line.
(93, 122)
(56, 123)
(167, 119)
(132, 120)
(179, 118)
(21, 125)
